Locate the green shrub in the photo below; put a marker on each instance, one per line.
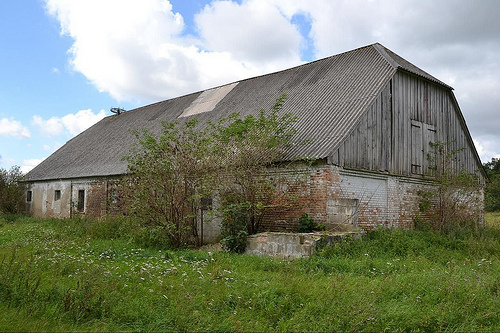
(11, 190)
(306, 223)
(234, 227)
(151, 237)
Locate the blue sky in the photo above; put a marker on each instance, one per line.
(64, 64)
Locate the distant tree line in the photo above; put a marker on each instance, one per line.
(492, 192)
(11, 191)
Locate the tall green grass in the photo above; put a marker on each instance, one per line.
(112, 275)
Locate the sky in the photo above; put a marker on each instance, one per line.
(65, 63)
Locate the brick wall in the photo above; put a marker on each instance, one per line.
(344, 199)
(97, 198)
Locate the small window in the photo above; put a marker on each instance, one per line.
(114, 196)
(81, 200)
(57, 195)
(29, 196)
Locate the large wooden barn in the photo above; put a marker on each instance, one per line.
(368, 113)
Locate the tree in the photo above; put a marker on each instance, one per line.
(492, 192)
(229, 159)
(11, 190)
(167, 177)
(251, 148)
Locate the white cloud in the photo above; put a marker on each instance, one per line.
(137, 50)
(50, 127)
(487, 147)
(14, 128)
(255, 32)
(29, 164)
(71, 123)
(83, 119)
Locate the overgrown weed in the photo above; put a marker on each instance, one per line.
(79, 275)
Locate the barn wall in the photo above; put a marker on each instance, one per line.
(341, 199)
(393, 136)
(99, 200)
(418, 100)
(344, 199)
(44, 203)
(369, 145)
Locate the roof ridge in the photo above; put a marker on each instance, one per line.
(381, 49)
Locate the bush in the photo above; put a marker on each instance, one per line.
(306, 223)
(234, 227)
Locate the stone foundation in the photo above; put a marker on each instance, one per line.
(292, 245)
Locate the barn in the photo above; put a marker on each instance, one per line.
(368, 115)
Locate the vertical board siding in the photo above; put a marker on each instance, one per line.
(368, 146)
(382, 140)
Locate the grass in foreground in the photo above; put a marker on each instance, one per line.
(82, 275)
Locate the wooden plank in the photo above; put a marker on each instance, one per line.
(383, 129)
(370, 138)
(364, 142)
(429, 135)
(341, 155)
(387, 132)
(417, 148)
(360, 145)
(394, 123)
(406, 141)
(400, 139)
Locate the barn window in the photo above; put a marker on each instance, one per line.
(81, 200)
(29, 196)
(114, 196)
(57, 195)
(421, 135)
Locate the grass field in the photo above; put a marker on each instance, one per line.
(83, 275)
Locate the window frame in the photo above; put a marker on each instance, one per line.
(80, 205)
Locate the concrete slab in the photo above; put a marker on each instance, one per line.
(293, 245)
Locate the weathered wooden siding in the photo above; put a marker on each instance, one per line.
(387, 137)
(369, 146)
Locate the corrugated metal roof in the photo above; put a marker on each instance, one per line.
(328, 96)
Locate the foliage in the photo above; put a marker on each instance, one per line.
(63, 275)
(168, 176)
(11, 190)
(172, 173)
(234, 227)
(306, 223)
(456, 201)
(492, 192)
(250, 148)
